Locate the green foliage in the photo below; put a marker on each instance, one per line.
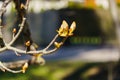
(59, 70)
(47, 72)
(74, 5)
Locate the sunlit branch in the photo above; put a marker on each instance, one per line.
(3, 49)
(52, 42)
(2, 11)
(8, 69)
(64, 31)
(27, 4)
(20, 30)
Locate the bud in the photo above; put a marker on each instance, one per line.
(58, 45)
(27, 43)
(14, 30)
(22, 6)
(72, 28)
(25, 66)
(63, 30)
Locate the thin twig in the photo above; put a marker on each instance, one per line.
(30, 52)
(8, 46)
(27, 4)
(2, 11)
(20, 30)
(3, 49)
(17, 53)
(52, 42)
(15, 64)
(13, 71)
(4, 5)
(50, 51)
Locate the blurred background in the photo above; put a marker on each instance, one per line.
(91, 54)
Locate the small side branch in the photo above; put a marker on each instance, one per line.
(8, 69)
(52, 42)
(22, 6)
(2, 11)
(20, 30)
(4, 5)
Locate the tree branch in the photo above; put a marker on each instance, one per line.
(22, 29)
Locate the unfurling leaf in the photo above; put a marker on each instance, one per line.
(25, 66)
(22, 6)
(14, 30)
(63, 30)
(72, 28)
(27, 43)
(58, 45)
